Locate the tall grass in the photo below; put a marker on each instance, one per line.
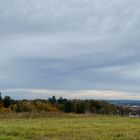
(69, 127)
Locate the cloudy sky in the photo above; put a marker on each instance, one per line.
(70, 48)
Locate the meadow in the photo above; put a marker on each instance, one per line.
(68, 127)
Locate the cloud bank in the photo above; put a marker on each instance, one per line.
(69, 94)
(75, 45)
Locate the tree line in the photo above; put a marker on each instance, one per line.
(61, 105)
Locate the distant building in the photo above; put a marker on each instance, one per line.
(135, 111)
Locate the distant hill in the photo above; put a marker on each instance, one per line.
(124, 102)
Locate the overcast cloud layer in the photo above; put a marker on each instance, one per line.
(72, 46)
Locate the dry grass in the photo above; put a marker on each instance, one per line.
(68, 127)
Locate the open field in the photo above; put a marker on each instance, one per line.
(69, 127)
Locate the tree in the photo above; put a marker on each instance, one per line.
(0, 98)
(7, 101)
(52, 100)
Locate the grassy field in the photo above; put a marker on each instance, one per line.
(69, 127)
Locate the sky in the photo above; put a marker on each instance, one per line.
(70, 48)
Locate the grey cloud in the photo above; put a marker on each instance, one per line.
(51, 16)
(77, 44)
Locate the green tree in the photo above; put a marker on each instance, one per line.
(7, 101)
(0, 98)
